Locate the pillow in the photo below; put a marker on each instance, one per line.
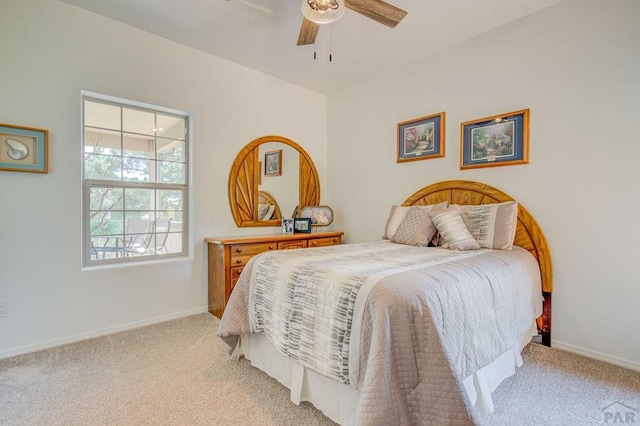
(262, 210)
(492, 225)
(265, 211)
(398, 213)
(453, 232)
(416, 229)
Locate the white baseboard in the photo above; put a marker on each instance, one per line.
(633, 365)
(97, 333)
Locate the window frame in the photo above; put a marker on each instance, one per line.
(88, 184)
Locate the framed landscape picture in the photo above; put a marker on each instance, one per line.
(500, 140)
(421, 138)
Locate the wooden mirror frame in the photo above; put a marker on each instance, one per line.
(245, 177)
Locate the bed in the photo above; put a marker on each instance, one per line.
(412, 335)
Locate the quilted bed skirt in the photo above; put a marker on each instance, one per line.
(339, 401)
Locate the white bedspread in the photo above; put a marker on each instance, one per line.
(421, 322)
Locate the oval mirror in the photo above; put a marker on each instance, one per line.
(271, 171)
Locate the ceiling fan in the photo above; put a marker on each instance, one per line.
(319, 12)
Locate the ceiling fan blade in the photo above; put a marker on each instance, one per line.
(377, 10)
(308, 32)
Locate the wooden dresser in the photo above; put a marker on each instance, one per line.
(229, 255)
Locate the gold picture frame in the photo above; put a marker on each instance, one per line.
(421, 138)
(499, 140)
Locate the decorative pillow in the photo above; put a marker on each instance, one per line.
(492, 225)
(453, 232)
(265, 211)
(398, 213)
(262, 210)
(416, 229)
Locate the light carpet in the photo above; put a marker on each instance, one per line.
(179, 372)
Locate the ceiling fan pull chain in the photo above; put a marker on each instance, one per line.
(330, 42)
(315, 44)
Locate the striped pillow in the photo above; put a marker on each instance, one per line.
(453, 232)
(416, 228)
(398, 213)
(492, 225)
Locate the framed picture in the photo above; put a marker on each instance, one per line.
(501, 140)
(24, 149)
(319, 215)
(302, 225)
(273, 163)
(287, 226)
(421, 138)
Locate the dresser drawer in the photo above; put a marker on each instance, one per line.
(241, 253)
(251, 249)
(235, 272)
(321, 242)
(235, 275)
(292, 244)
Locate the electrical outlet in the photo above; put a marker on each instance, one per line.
(3, 309)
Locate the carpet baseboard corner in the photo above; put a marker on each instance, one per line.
(21, 350)
(627, 363)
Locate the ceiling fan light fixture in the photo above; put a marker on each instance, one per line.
(323, 11)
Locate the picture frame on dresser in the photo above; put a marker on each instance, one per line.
(302, 225)
(287, 226)
(319, 215)
(499, 140)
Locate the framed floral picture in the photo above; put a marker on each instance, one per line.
(421, 138)
(499, 140)
(273, 163)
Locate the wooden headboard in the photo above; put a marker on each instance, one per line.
(528, 234)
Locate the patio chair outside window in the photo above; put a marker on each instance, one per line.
(142, 242)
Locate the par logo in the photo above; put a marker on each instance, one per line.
(620, 412)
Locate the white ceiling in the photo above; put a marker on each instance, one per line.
(262, 34)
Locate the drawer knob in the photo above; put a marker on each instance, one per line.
(239, 261)
(238, 250)
(335, 240)
(270, 247)
(314, 243)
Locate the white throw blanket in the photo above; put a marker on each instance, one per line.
(402, 324)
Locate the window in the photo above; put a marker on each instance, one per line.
(135, 181)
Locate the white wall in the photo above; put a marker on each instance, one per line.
(576, 65)
(49, 52)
